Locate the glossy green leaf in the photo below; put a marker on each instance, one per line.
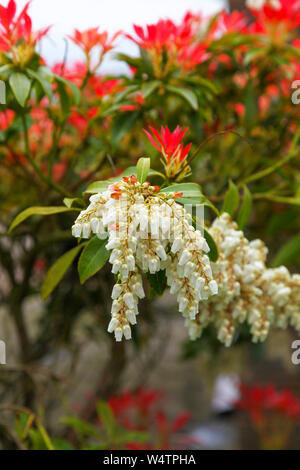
(107, 418)
(64, 99)
(74, 202)
(185, 93)
(246, 208)
(202, 200)
(149, 87)
(45, 84)
(188, 190)
(75, 91)
(158, 282)
(142, 169)
(231, 201)
(81, 427)
(92, 259)
(213, 253)
(20, 85)
(38, 210)
(58, 270)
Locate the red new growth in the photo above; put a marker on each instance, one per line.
(169, 143)
(91, 38)
(14, 29)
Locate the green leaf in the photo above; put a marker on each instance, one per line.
(92, 259)
(231, 200)
(245, 210)
(73, 202)
(5, 70)
(58, 270)
(213, 253)
(185, 93)
(98, 187)
(45, 84)
(149, 87)
(38, 210)
(20, 85)
(83, 428)
(107, 417)
(188, 190)
(288, 253)
(202, 200)
(122, 125)
(142, 169)
(158, 282)
(65, 100)
(75, 91)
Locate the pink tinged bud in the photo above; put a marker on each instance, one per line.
(86, 230)
(185, 257)
(127, 332)
(76, 230)
(118, 334)
(213, 287)
(129, 300)
(112, 325)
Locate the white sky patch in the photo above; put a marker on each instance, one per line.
(112, 15)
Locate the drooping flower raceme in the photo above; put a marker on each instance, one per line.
(248, 290)
(147, 232)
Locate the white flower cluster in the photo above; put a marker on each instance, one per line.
(147, 232)
(248, 290)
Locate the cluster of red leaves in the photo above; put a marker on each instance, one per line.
(141, 411)
(14, 29)
(91, 38)
(168, 143)
(259, 401)
(188, 41)
(284, 13)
